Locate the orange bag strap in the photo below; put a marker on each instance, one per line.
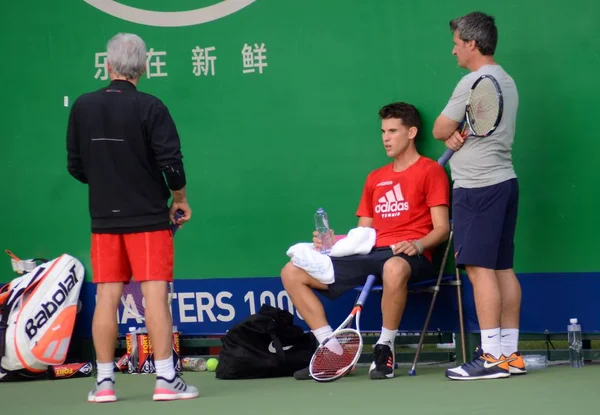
(10, 254)
(4, 293)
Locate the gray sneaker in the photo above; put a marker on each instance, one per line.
(104, 391)
(171, 390)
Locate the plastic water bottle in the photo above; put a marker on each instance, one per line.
(193, 364)
(535, 361)
(322, 227)
(575, 343)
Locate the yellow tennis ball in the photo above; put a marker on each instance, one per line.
(211, 364)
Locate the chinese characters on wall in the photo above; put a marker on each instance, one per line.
(203, 63)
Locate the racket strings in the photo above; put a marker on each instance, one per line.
(329, 363)
(484, 107)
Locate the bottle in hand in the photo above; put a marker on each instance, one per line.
(322, 227)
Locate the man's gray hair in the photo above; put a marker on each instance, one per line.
(479, 27)
(127, 55)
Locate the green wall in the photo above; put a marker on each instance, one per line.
(263, 151)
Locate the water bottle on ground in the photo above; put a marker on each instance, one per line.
(535, 361)
(193, 364)
(322, 227)
(575, 343)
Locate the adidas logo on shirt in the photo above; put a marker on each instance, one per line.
(390, 205)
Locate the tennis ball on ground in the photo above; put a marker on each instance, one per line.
(211, 364)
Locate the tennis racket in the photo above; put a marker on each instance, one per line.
(133, 298)
(338, 354)
(483, 111)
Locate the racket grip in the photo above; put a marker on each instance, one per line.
(445, 157)
(366, 289)
(178, 214)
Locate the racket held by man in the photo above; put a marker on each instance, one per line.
(483, 111)
(133, 298)
(338, 354)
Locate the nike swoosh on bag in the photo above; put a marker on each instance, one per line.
(272, 349)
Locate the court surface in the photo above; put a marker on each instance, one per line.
(555, 390)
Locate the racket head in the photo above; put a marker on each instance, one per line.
(133, 298)
(327, 365)
(485, 106)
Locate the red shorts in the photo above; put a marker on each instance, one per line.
(147, 256)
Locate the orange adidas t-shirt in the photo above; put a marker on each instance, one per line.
(399, 202)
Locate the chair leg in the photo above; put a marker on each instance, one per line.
(460, 316)
(412, 371)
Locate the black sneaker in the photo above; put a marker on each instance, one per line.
(302, 374)
(383, 363)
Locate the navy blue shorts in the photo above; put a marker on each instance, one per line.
(352, 271)
(484, 222)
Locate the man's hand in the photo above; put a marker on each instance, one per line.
(185, 208)
(455, 141)
(180, 203)
(317, 240)
(409, 248)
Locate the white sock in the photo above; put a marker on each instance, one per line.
(510, 341)
(323, 334)
(105, 371)
(490, 342)
(165, 368)
(387, 337)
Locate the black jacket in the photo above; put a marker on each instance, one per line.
(119, 142)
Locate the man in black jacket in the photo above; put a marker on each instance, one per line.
(123, 144)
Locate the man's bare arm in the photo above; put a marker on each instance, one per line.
(441, 228)
(439, 233)
(444, 127)
(365, 222)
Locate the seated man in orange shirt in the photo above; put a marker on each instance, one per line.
(406, 202)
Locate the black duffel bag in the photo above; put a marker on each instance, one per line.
(266, 344)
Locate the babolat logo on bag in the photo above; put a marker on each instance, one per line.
(50, 307)
(38, 313)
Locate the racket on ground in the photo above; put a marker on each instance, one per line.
(483, 111)
(338, 355)
(133, 298)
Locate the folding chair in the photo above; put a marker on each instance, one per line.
(433, 286)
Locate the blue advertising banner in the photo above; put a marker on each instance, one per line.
(212, 306)
(205, 307)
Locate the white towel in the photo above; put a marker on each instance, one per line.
(317, 265)
(359, 241)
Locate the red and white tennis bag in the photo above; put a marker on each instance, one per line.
(37, 316)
